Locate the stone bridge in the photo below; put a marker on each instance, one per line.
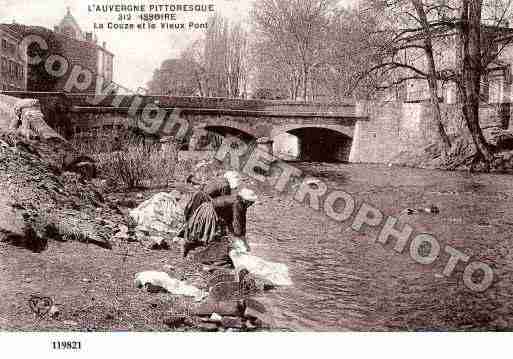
(365, 132)
(295, 131)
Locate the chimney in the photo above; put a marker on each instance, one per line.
(89, 36)
(56, 28)
(104, 45)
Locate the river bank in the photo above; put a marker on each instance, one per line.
(68, 263)
(93, 287)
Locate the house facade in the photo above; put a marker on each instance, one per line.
(13, 61)
(103, 58)
(67, 41)
(495, 83)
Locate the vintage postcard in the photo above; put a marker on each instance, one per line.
(276, 166)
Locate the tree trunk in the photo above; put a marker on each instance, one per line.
(471, 75)
(432, 78)
(305, 82)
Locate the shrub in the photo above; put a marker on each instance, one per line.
(131, 161)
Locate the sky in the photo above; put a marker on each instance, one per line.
(137, 54)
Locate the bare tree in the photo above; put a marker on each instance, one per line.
(295, 32)
(218, 60)
(350, 43)
(174, 78)
(409, 52)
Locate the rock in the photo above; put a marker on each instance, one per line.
(87, 170)
(15, 230)
(54, 311)
(69, 322)
(313, 182)
(232, 322)
(249, 285)
(33, 173)
(232, 308)
(160, 213)
(168, 267)
(150, 288)
(255, 305)
(250, 326)
(432, 209)
(122, 233)
(499, 137)
(207, 327)
(409, 211)
(154, 242)
(216, 318)
(224, 291)
(76, 225)
(127, 202)
(83, 165)
(257, 312)
(213, 253)
(222, 276)
(177, 321)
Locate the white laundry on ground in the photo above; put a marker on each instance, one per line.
(172, 285)
(162, 213)
(276, 273)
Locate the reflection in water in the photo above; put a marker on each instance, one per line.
(346, 281)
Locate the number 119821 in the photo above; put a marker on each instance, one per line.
(66, 345)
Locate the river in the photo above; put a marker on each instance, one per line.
(344, 280)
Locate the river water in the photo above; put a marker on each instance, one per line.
(344, 280)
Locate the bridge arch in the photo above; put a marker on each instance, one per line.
(313, 143)
(346, 130)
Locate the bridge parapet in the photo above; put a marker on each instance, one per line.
(206, 105)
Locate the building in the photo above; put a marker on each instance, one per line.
(495, 83)
(76, 47)
(104, 59)
(13, 61)
(70, 28)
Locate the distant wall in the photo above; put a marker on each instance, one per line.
(55, 107)
(395, 127)
(377, 140)
(7, 104)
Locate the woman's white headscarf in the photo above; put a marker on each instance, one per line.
(233, 179)
(248, 195)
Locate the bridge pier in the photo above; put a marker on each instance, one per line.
(198, 139)
(265, 144)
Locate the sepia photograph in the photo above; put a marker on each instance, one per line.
(333, 170)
